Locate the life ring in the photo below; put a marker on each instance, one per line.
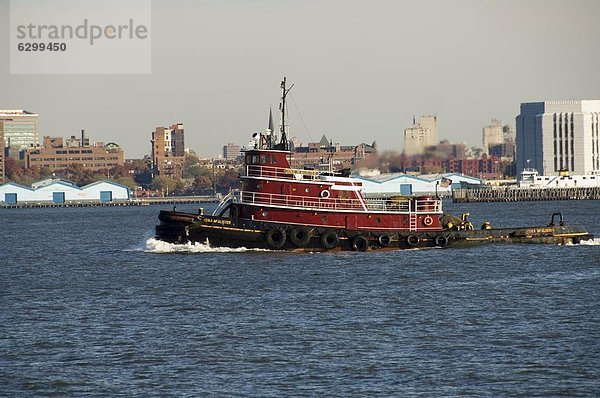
(329, 239)
(384, 240)
(325, 194)
(360, 244)
(276, 238)
(441, 240)
(428, 221)
(412, 240)
(300, 236)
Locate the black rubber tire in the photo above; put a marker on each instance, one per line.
(441, 240)
(276, 238)
(329, 239)
(384, 240)
(413, 240)
(300, 236)
(359, 244)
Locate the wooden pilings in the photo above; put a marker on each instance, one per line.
(524, 194)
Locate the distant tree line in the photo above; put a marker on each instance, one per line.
(197, 179)
(130, 175)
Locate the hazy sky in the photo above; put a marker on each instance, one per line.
(361, 70)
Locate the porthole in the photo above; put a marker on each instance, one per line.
(265, 213)
(378, 220)
(307, 190)
(259, 186)
(324, 218)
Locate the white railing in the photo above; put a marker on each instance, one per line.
(283, 173)
(314, 203)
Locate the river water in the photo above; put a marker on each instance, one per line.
(91, 304)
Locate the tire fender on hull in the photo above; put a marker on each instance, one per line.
(412, 240)
(276, 238)
(384, 240)
(300, 236)
(329, 239)
(359, 244)
(441, 240)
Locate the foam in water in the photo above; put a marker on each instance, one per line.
(158, 246)
(590, 242)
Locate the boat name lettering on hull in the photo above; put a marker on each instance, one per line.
(219, 221)
(540, 230)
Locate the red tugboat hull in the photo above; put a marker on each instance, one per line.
(178, 227)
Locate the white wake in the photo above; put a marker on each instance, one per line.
(158, 246)
(590, 242)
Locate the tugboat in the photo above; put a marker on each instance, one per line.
(283, 208)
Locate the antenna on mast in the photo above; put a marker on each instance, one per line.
(283, 144)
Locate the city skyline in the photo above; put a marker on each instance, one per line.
(361, 71)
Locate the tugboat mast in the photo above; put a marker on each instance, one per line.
(283, 144)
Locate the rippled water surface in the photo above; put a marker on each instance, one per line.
(90, 304)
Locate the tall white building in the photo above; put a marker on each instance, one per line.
(492, 134)
(422, 134)
(20, 128)
(231, 151)
(559, 135)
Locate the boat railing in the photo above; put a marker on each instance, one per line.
(283, 173)
(428, 206)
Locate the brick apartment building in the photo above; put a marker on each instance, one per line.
(482, 167)
(57, 154)
(319, 153)
(168, 151)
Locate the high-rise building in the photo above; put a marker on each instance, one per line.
(559, 135)
(231, 152)
(509, 133)
(168, 151)
(422, 134)
(429, 122)
(505, 150)
(492, 135)
(20, 128)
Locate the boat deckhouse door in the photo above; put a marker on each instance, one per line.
(351, 222)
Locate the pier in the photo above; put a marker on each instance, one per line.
(171, 200)
(524, 194)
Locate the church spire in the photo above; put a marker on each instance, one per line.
(271, 127)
